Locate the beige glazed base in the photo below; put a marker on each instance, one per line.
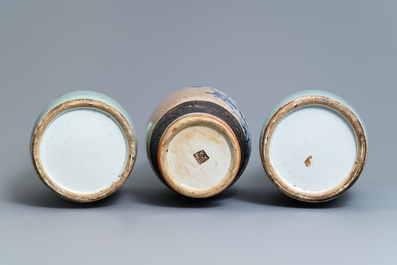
(198, 155)
(76, 171)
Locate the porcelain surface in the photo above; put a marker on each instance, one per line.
(313, 146)
(83, 146)
(216, 115)
(84, 94)
(84, 150)
(306, 93)
(322, 155)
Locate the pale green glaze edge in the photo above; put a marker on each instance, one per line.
(311, 93)
(85, 94)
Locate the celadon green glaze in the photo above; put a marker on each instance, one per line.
(306, 93)
(88, 95)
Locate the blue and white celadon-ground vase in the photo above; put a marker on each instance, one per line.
(198, 141)
(83, 146)
(313, 146)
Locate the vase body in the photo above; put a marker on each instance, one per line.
(313, 146)
(198, 141)
(83, 146)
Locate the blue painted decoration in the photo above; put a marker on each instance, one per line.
(236, 111)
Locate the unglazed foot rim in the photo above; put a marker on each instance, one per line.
(358, 164)
(177, 126)
(74, 104)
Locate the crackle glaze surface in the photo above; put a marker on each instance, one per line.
(313, 146)
(83, 146)
(205, 141)
(210, 160)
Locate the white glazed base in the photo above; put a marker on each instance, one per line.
(199, 156)
(84, 150)
(313, 149)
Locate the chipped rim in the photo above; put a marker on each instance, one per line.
(362, 148)
(190, 120)
(81, 103)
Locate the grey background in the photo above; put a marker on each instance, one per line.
(257, 52)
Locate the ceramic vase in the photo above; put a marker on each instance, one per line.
(313, 146)
(198, 141)
(83, 146)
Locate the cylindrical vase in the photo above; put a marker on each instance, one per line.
(198, 141)
(83, 146)
(313, 146)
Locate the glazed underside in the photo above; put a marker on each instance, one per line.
(198, 107)
(84, 150)
(199, 155)
(313, 149)
(314, 155)
(73, 149)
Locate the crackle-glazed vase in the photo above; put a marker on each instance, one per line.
(83, 146)
(313, 146)
(198, 141)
